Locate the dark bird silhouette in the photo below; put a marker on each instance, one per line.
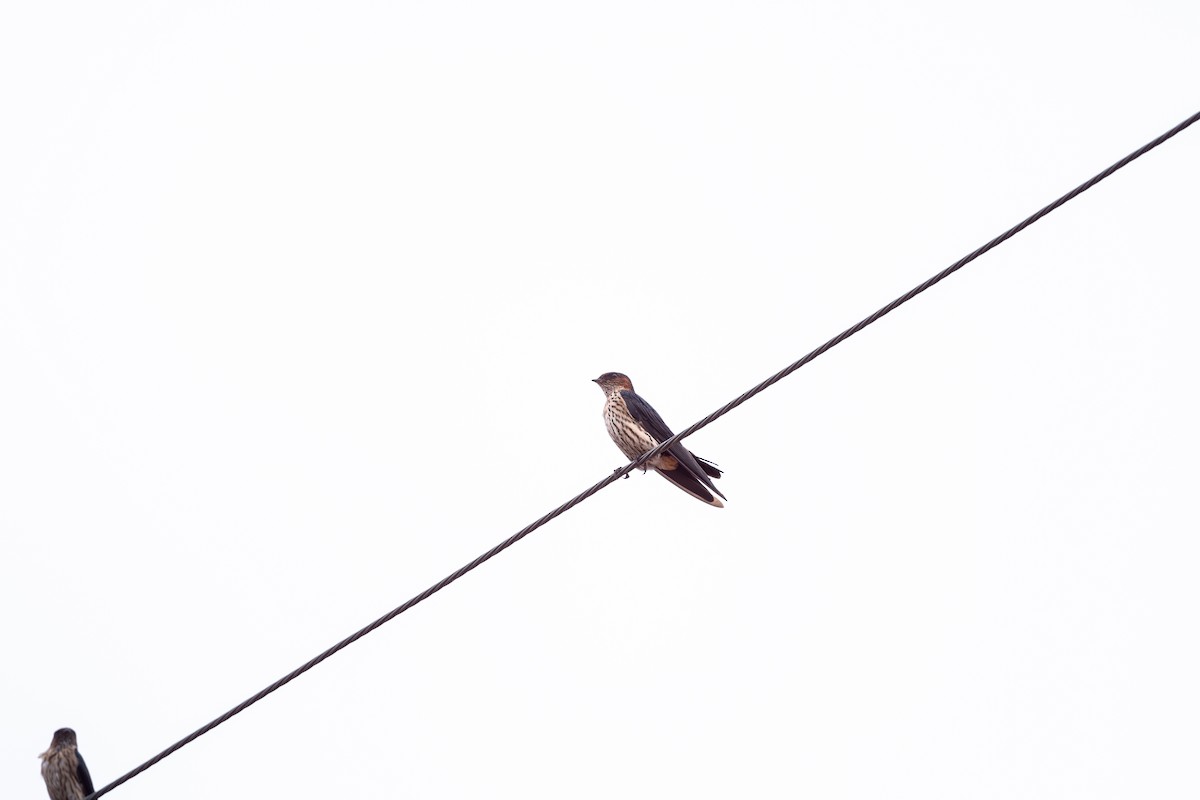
(63, 770)
(637, 428)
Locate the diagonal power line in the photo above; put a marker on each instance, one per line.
(579, 498)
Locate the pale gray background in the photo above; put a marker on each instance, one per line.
(299, 305)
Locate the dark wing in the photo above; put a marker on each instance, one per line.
(645, 415)
(81, 772)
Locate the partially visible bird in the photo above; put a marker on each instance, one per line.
(63, 770)
(637, 428)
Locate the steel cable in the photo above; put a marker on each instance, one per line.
(579, 498)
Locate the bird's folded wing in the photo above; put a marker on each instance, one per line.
(645, 415)
(81, 772)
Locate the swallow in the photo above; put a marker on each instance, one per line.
(637, 428)
(63, 770)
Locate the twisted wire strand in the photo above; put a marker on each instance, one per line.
(584, 495)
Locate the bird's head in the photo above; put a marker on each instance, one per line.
(63, 738)
(611, 381)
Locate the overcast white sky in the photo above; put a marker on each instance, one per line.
(299, 308)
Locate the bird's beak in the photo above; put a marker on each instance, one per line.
(595, 380)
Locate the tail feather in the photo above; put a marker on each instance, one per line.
(697, 468)
(690, 484)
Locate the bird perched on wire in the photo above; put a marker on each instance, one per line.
(63, 770)
(637, 428)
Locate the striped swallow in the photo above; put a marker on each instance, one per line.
(63, 769)
(637, 428)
